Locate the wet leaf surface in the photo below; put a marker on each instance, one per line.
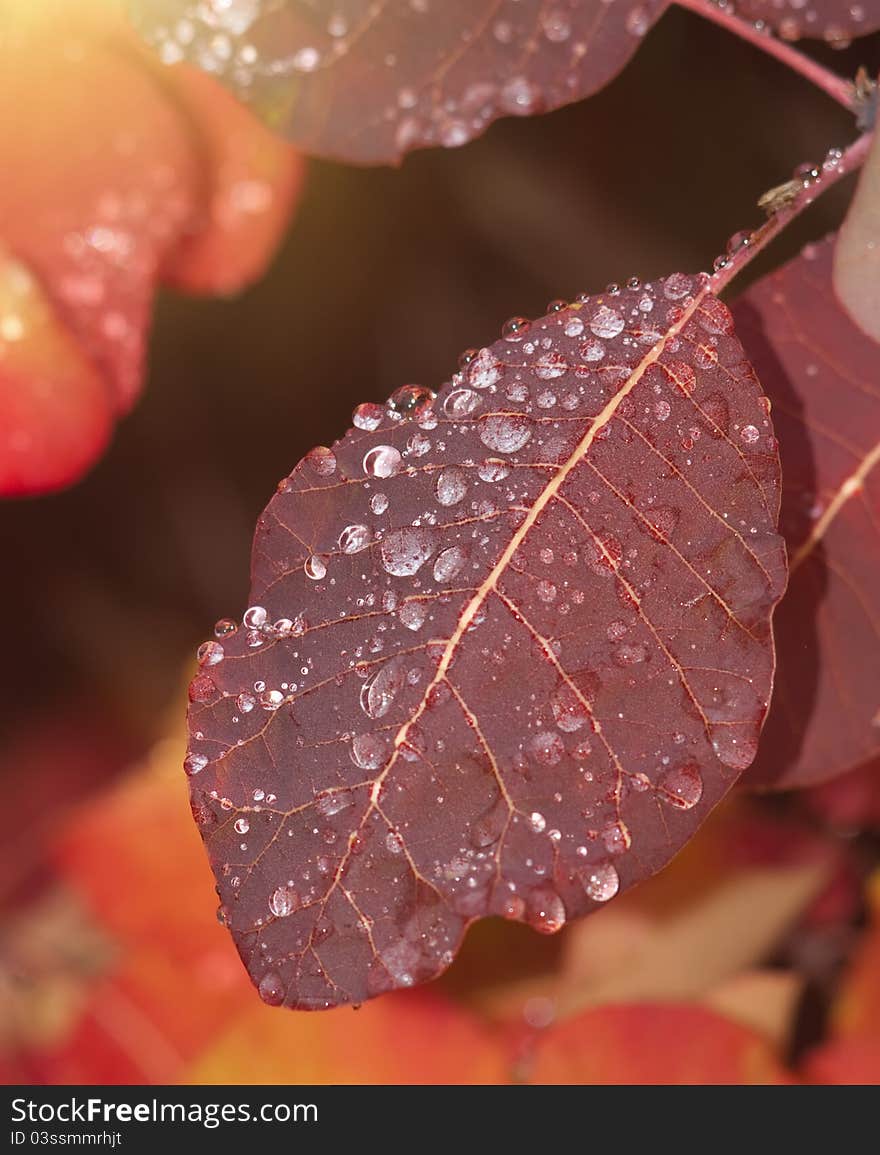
(507, 647)
(820, 372)
(368, 81)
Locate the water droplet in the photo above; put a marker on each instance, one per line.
(538, 822)
(381, 461)
(602, 882)
(451, 486)
(412, 614)
(405, 551)
(515, 329)
(194, 763)
(505, 432)
(245, 702)
(493, 469)
(283, 902)
(378, 694)
(322, 460)
(315, 567)
(368, 416)
(749, 434)
(209, 653)
(546, 748)
(484, 370)
(682, 786)
(606, 323)
(224, 628)
(545, 910)
(410, 400)
(460, 403)
(449, 563)
(254, 617)
(271, 989)
(242, 826)
(368, 751)
(271, 699)
(569, 711)
(354, 538)
(378, 503)
(331, 802)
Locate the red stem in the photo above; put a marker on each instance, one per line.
(830, 173)
(829, 82)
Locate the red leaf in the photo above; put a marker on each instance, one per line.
(520, 647)
(821, 374)
(381, 79)
(101, 199)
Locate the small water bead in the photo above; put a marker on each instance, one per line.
(322, 460)
(738, 241)
(209, 654)
(242, 826)
(638, 21)
(224, 628)
(332, 802)
(493, 469)
(676, 286)
(682, 786)
(394, 842)
(602, 882)
(537, 822)
(378, 503)
(505, 432)
(255, 617)
(410, 400)
(284, 901)
(484, 370)
(557, 306)
(466, 357)
(368, 751)
(545, 911)
(412, 614)
(460, 403)
(606, 323)
(245, 702)
(592, 350)
(404, 551)
(449, 564)
(194, 764)
(315, 567)
(520, 97)
(451, 486)
(271, 989)
(378, 694)
(354, 538)
(550, 365)
(368, 416)
(633, 283)
(515, 329)
(271, 699)
(382, 461)
(720, 263)
(574, 327)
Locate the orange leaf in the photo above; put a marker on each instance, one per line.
(654, 1044)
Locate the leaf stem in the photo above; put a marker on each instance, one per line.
(839, 89)
(792, 198)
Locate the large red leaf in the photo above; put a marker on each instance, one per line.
(369, 81)
(520, 647)
(366, 81)
(821, 374)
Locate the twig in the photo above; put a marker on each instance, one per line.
(843, 91)
(792, 199)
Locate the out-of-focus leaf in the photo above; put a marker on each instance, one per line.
(820, 372)
(857, 252)
(850, 802)
(408, 1038)
(654, 1044)
(56, 411)
(857, 1009)
(765, 1001)
(369, 82)
(507, 648)
(102, 197)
